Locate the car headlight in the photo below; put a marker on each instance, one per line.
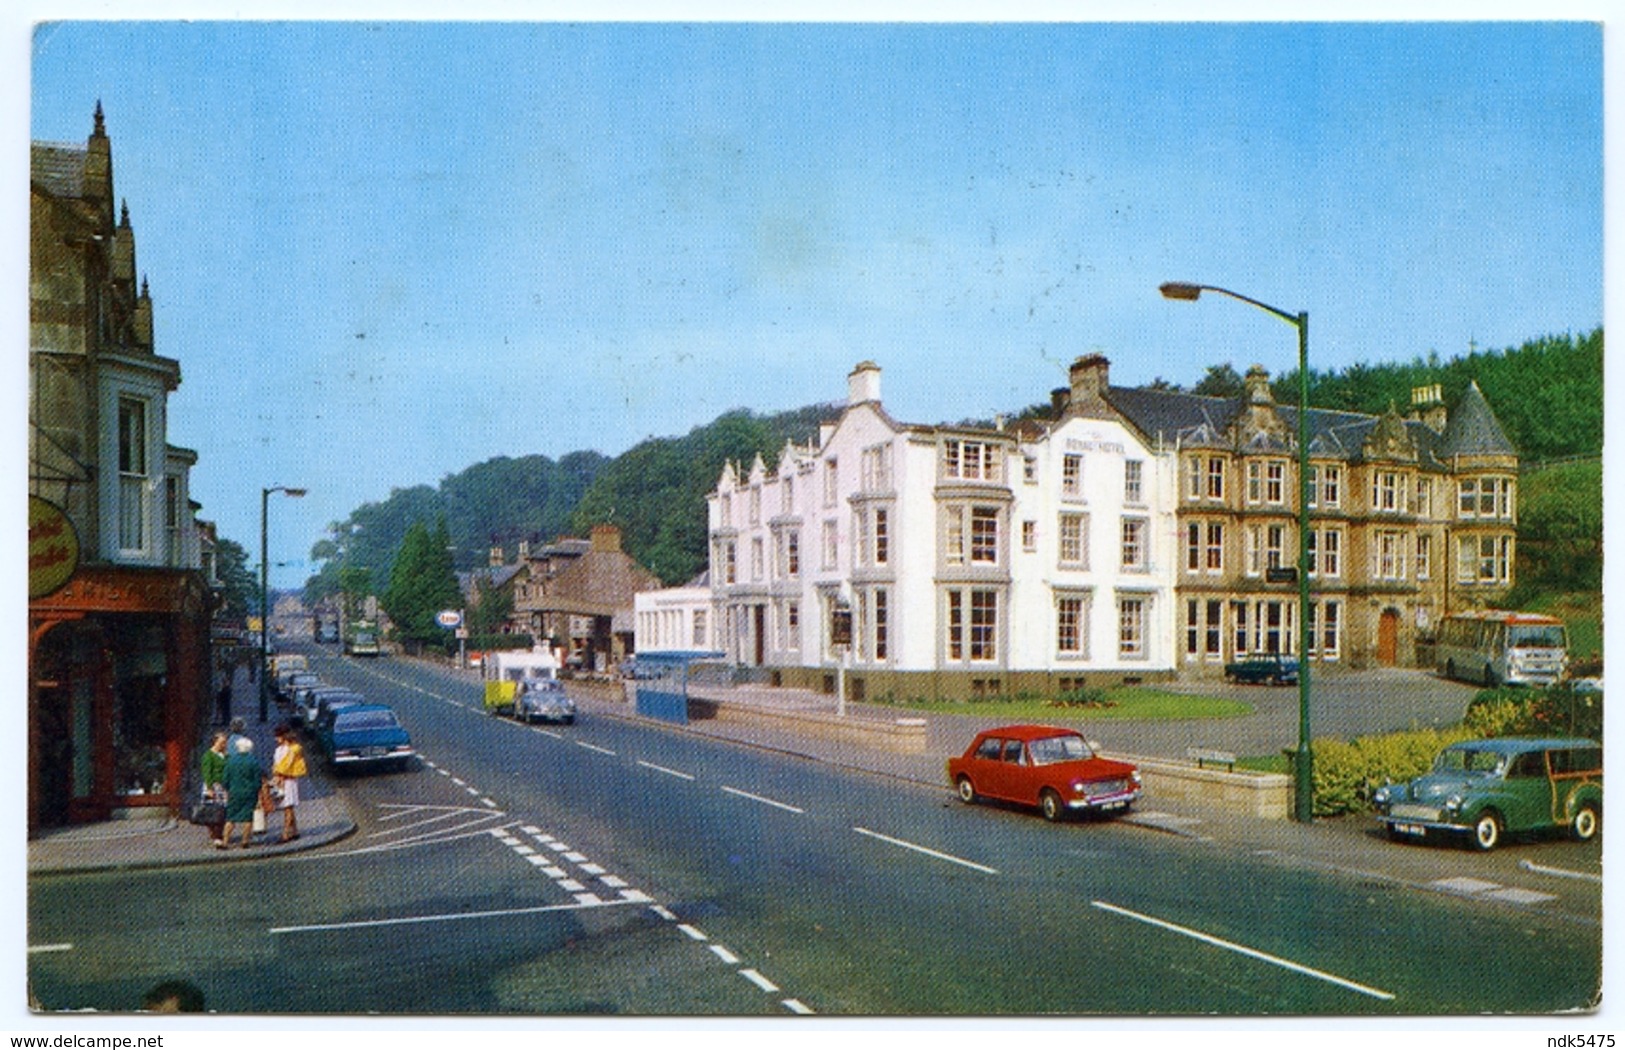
(1381, 796)
(1453, 803)
(1135, 776)
(1077, 787)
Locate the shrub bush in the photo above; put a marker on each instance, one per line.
(1087, 698)
(1556, 711)
(1347, 772)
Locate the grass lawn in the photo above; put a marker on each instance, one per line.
(1134, 701)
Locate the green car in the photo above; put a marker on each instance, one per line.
(1485, 789)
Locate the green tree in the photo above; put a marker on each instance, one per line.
(1560, 528)
(1220, 381)
(239, 587)
(421, 584)
(491, 610)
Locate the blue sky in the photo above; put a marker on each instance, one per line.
(385, 251)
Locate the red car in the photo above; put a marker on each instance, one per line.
(1044, 766)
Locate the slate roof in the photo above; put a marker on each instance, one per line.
(1473, 429)
(599, 584)
(1193, 420)
(58, 169)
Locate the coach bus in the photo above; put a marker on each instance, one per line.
(1493, 646)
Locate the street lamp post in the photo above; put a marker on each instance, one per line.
(1303, 809)
(265, 593)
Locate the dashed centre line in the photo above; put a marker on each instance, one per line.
(669, 772)
(764, 800)
(1241, 949)
(916, 847)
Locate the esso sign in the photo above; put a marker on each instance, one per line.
(449, 618)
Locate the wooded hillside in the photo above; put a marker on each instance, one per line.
(1547, 393)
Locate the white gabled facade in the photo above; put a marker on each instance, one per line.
(971, 561)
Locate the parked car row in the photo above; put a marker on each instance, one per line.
(347, 730)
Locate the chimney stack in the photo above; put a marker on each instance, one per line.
(606, 538)
(1427, 403)
(863, 384)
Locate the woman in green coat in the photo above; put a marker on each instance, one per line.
(212, 767)
(242, 778)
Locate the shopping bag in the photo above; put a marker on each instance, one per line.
(259, 820)
(208, 814)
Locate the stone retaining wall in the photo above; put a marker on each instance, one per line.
(1266, 796)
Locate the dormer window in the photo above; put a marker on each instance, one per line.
(969, 460)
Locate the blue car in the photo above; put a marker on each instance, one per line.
(1271, 668)
(364, 736)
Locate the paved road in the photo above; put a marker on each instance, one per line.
(616, 867)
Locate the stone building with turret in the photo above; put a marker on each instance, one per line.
(119, 597)
(1412, 517)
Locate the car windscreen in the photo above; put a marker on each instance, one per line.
(1469, 760)
(1050, 749)
(1535, 636)
(350, 721)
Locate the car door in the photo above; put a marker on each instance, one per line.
(1529, 797)
(1016, 771)
(986, 767)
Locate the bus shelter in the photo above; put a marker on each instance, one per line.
(660, 682)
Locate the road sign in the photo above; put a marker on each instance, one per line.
(1281, 575)
(449, 618)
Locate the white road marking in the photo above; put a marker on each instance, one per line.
(796, 1006)
(724, 954)
(763, 800)
(594, 747)
(458, 781)
(488, 802)
(588, 898)
(1241, 949)
(1516, 896)
(669, 772)
(1562, 873)
(928, 852)
(758, 980)
(692, 932)
(37, 948)
(612, 881)
(547, 732)
(592, 869)
(663, 913)
(574, 857)
(635, 897)
(1464, 885)
(452, 917)
(570, 885)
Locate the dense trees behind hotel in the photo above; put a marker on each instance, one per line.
(1547, 394)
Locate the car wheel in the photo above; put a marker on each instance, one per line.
(966, 790)
(1049, 804)
(1586, 823)
(1450, 668)
(1487, 831)
(1490, 681)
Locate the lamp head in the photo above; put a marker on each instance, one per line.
(1178, 290)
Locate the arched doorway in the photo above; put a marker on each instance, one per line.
(1388, 638)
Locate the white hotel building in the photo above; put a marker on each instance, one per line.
(1036, 558)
